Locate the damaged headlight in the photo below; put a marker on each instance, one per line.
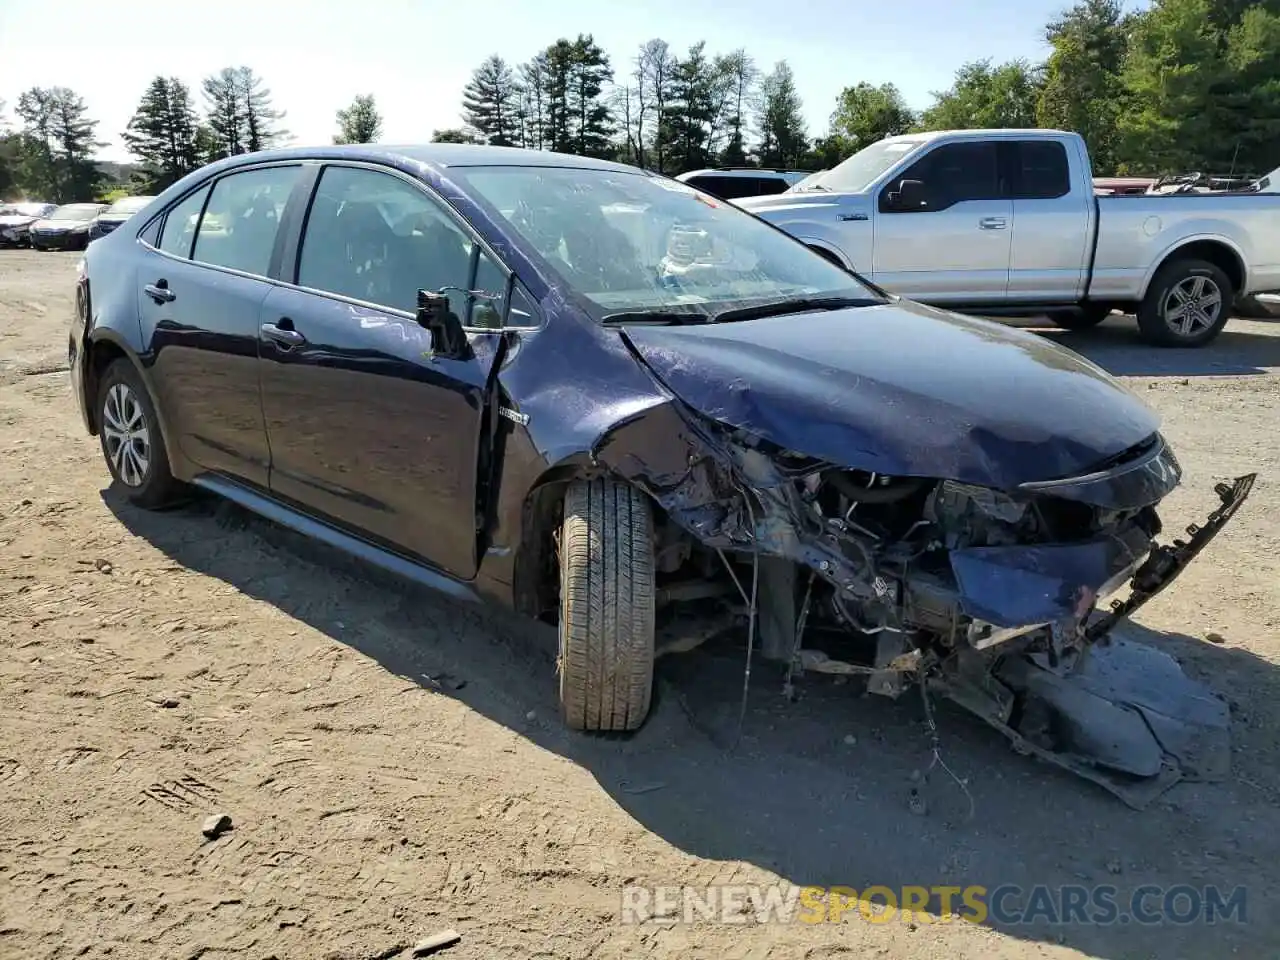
(969, 515)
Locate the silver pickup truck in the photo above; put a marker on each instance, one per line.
(1006, 223)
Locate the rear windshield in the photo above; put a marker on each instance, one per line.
(129, 205)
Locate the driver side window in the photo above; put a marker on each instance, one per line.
(950, 174)
(376, 238)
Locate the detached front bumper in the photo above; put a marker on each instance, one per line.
(1121, 714)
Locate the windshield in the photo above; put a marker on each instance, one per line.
(76, 211)
(857, 173)
(25, 209)
(632, 242)
(129, 205)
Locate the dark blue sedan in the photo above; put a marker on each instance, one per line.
(625, 408)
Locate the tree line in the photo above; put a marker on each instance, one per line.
(1181, 85)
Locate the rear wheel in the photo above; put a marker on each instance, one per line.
(606, 607)
(1187, 304)
(131, 440)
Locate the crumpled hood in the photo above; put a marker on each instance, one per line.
(15, 220)
(903, 389)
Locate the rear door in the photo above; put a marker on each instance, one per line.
(1051, 224)
(200, 288)
(368, 429)
(955, 246)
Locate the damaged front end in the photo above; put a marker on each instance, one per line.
(986, 596)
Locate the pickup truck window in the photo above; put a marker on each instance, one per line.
(1040, 170)
(950, 174)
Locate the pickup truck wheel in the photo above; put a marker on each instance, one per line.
(1187, 305)
(606, 607)
(1086, 318)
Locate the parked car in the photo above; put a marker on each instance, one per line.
(16, 220)
(730, 183)
(627, 408)
(116, 214)
(1005, 222)
(66, 228)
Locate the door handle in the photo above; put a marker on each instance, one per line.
(993, 223)
(285, 336)
(160, 292)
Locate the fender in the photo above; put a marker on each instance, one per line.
(1177, 245)
(829, 247)
(96, 339)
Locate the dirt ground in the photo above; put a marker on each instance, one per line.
(159, 668)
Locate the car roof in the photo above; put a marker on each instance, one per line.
(745, 172)
(1030, 133)
(439, 155)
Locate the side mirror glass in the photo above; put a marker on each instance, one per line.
(910, 195)
(447, 336)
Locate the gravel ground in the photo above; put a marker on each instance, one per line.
(157, 669)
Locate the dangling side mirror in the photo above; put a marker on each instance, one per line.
(447, 336)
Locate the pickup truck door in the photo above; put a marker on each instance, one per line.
(950, 241)
(1053, 215)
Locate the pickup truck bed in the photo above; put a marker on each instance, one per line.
(1006, 222)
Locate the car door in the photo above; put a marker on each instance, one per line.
(368, 428)
(1051, 224)
(200, 289)
(954, 245)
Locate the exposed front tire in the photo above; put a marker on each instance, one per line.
(132, 444)
(1187, 305)
(1086, 318)
(606, 607)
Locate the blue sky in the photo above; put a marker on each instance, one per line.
(416, 55)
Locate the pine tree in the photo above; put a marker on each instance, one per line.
(693, 108)
(532, 112)
(240, 114)
(782, 129)
(591, 120)
(74, 134)
(491, 103)
(225, 114)
(556, 65)
(360, 122)
(162, 134)
(261, 119)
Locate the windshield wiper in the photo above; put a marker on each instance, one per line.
(795, 305)
(660, 318)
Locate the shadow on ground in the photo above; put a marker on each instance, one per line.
(1244, 348)
(816, 791)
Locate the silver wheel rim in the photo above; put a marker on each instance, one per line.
(1193, 306)
(126, 435)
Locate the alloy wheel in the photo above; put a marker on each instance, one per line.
(1193, 306)
(127, 435)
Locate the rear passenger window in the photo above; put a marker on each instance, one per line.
(771, 185)
(373, 237)
(180, 225)
(1040, 170)
(240, 222)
